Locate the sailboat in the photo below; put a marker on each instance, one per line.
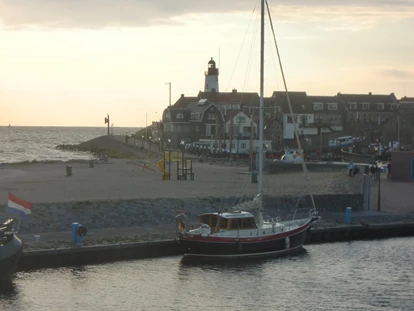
(238, 233)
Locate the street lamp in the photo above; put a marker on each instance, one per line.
(142, 141)
(169, 143)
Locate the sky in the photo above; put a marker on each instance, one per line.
(70, 63)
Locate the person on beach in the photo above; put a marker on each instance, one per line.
(355, 170)
(373, 170)
(350, 167)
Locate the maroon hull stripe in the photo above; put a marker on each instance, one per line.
(197, 237)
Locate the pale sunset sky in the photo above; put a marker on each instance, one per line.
(69, 63)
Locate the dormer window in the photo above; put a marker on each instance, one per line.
(317, 106)
(365, 106)
(380, 106)
(180, 116)
(393, 106)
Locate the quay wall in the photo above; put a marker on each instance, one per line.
(80, 255)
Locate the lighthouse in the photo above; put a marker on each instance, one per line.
(211, 81)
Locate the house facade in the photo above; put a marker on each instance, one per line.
(365, 114)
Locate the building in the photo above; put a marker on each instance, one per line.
(366, 113)
(328, 117)
(303, 115)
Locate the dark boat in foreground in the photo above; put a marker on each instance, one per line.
(239, 235)
(10, 250)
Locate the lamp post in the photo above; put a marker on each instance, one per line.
(149, 142)
(142, 141)
(169, 143)
(159, 144)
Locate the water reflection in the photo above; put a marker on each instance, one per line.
(237, 265)
(364, 275)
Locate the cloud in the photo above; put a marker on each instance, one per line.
(142, 13)
(398, 74)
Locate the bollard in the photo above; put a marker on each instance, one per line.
(75, 227)
(68, 170)
(348, 215)
(91, 163)
(36, 238)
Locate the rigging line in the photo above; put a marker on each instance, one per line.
(252, 47)
(241, 48)
(305, 171)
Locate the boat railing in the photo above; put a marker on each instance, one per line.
(300, 213)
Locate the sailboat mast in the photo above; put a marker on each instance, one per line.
(261, 123)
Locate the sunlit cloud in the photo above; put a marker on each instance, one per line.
(398, 74)
(334, 14)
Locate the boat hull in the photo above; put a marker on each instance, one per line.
(10, 253)
(278, 246)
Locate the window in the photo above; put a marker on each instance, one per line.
(243, 145)
(393, 106)
(197, 128)
(278, 127)
(317, 106)
(332, 106)
(278, 140)
(365, 106)
(352, 106)
(197, 116)
(180, 116)
(380, 106)
(211, 116)
(192, 116)
(241, 119)
(267, 114)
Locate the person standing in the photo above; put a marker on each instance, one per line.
(389, 169)
(373, 170)
(350, 167)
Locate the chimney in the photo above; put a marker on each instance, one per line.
(182, 95)
(369, 93)
(234, 91)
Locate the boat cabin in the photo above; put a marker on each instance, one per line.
(228, 221)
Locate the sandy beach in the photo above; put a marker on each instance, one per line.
(130, 195)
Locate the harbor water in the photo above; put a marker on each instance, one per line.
(360, 275)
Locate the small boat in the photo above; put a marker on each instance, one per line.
(10, 250)
(293, 156)
(344, 141)
(239, 234)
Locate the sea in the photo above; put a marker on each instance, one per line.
(373, 275)
(29, 144)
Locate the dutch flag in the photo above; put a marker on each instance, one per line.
(18, 207)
